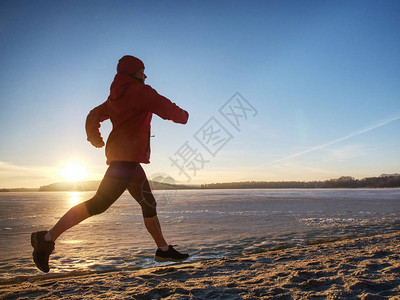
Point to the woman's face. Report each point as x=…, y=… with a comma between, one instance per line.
x=140, y=74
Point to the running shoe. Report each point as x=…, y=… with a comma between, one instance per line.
x=170, y=255
x=41, y=250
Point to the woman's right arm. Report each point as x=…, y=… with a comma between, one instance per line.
x=93, y=120
x=162, y=106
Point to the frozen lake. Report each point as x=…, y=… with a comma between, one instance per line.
x=206, y=223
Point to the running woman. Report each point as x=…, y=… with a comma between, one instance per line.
x=130, y=108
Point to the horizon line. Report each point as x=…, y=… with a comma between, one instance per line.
x=199, y=184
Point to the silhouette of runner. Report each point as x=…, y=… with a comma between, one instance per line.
x=130, y=108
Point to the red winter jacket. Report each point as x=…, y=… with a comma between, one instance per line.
x=130, y=107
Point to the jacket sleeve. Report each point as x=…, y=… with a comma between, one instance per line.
x=162, y=107
x=93, y=120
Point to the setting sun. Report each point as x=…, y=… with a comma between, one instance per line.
x=74, y=172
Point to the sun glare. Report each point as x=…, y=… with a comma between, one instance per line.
x=74, y=172
x=74, y=198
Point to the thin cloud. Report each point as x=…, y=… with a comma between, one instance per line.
x=356, y=133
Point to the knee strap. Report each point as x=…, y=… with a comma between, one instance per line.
x=148, y=209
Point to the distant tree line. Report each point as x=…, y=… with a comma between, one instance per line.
x=383, y=181
x=19, y=190
x=82, y=186
x=389, y=181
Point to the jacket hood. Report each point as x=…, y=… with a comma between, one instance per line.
x=120, y=85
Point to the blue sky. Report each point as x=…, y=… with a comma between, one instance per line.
x=322, y=75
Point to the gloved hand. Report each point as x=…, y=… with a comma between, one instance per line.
x=97, y=142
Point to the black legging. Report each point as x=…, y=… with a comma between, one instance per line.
x=122, y=175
